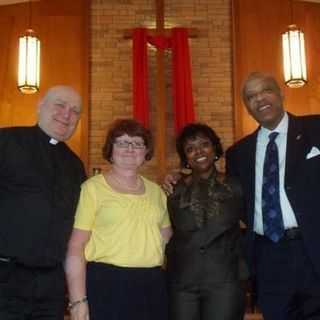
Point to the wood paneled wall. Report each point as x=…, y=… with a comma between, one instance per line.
x=257, y=29
x=62, y=27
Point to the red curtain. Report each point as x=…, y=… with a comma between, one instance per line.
x=140, y=77
x=182, y=84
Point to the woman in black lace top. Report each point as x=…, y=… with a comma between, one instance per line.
x=204, y=260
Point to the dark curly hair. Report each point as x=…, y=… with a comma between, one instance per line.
x=133, y=129
x=193, y=130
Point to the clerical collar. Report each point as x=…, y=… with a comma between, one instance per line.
x=53, y=141
x=47, y=138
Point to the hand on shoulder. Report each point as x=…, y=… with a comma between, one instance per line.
x=169, y=181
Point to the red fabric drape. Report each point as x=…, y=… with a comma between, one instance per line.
x=182, y=84
x=160, y=42
x=140, y=77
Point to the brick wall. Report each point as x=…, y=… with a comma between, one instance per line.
x=111, y=70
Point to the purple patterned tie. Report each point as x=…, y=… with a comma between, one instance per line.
x=271, y=210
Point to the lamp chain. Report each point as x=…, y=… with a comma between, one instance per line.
x=30, y=15
x=291, y=12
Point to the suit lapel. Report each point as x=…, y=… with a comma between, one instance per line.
x=252, y=174
x=251, y=159
x=248, y=174
x=296, y=144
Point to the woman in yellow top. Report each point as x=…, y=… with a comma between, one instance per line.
x=113, y=264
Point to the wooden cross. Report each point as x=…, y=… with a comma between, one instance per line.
x=160, y=29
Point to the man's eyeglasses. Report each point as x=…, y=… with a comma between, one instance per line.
x=133, y=144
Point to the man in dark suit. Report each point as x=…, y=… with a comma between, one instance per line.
x=284, y=256
x=40, y=181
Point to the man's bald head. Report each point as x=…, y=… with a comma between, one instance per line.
x=59, y=112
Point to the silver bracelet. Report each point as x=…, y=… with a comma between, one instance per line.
x=72, y=304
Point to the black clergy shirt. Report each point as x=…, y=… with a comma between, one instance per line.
x=39, y=190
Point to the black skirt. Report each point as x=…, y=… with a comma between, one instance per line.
x=120, y=293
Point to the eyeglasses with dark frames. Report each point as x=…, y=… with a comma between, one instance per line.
x=125, y=144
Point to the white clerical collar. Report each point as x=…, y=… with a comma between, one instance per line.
x=53, y=141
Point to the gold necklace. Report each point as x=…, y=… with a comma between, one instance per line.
x=124, y=185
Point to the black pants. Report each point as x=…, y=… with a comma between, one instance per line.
x=31, y=293
x=207, y=301
x=117, y=293
x=287, y=286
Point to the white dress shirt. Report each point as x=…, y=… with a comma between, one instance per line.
x=289, y=218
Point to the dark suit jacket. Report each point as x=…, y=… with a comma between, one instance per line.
x=302, y=179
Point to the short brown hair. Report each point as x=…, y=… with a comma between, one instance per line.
x=133, y=129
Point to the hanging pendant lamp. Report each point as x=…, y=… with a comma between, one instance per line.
x=294, y=57
x=29, y=60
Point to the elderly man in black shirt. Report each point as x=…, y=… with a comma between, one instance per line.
x=40, y=181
